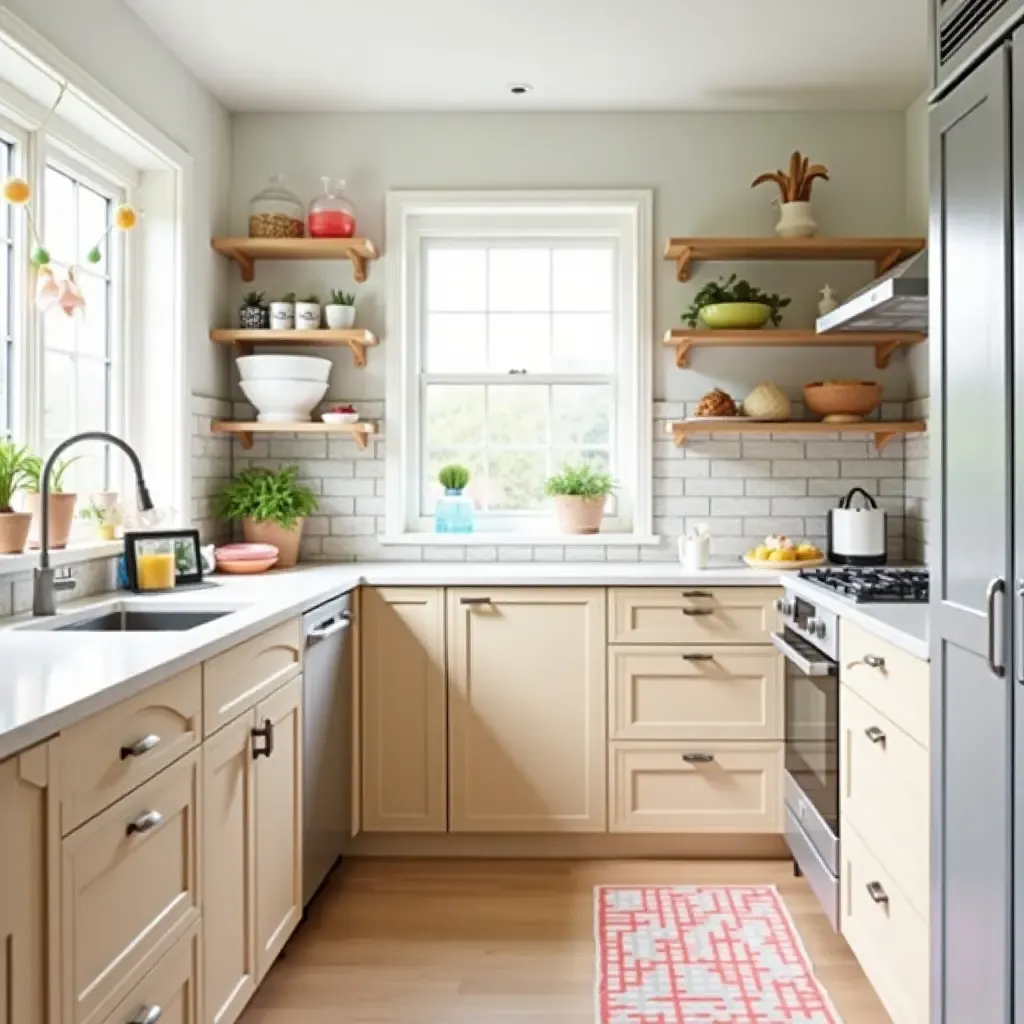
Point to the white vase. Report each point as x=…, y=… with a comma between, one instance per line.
x=340, y=318
x=796, y=221
x=307, y=316
x=282, y=316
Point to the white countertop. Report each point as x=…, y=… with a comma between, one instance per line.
x=50, y=680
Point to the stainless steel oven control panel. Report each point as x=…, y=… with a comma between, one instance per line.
x=818, y=626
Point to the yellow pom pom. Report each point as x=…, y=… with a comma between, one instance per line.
x=125, y=218
x=17, y=191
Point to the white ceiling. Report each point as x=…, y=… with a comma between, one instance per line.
x=316, y=55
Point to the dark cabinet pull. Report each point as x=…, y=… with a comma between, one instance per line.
x=697, y=593
x=144, y=823
x=876, y=892
x=875, y=734
x=698, y=758
x=698, y=611
x=140, y=747
x=265, y=733
x=474, y=600
x=698, y=657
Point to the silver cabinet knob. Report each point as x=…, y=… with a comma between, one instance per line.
x=876, y=892
x=816, y=627
x=140, y=747
x=147, y=1015
x=874, y=661
x=144, y=823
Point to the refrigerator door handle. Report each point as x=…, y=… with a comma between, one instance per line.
x=997, y=586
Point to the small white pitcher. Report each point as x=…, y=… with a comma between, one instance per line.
x=695, y=549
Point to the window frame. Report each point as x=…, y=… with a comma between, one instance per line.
x=622, y=215
x=20, y=306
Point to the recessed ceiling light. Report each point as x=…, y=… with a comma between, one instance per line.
x=520, y=89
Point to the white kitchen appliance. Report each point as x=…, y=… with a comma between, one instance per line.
x=856, y=534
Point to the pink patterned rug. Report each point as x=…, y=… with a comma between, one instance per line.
x=702, y=955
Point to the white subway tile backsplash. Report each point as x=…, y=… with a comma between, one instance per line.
x=680, y=468
x=714, y=487
x=788, y=487
x=662, y=487
x=742, y=469
x=772, y=449
x=872, y=468
x=806, y=468
x=740, y=506
x=681, y=507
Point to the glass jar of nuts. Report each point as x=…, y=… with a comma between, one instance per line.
x=276, y=213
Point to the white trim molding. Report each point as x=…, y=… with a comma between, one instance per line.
x=417, y=218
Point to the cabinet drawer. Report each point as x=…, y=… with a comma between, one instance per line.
x=888, y=678
x=689, y=693
x=888, y=938
x=172, y=988
x=696, y=787
x=885, y=793
x=115, y=751
x=129, y=890
x=236, y=680
x=667, y=615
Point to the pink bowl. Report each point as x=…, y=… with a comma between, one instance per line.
x=247, y=566
x=246, y=553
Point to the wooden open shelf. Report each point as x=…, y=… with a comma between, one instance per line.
x=883, y=431
x=885, y=253
x=885, y=343
x=359, y=432
x=356, y=339
x=246, y=251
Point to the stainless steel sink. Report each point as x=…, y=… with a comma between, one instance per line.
x=130, y=621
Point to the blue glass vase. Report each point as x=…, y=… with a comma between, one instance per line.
x=453, y=513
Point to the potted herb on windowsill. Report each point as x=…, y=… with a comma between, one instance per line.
x=105, y=516
x=272, y=508
x=731, y=304
x=580, y=494
x=62, y=505
x=340, y=312
x=14, y=526
x=453, y=512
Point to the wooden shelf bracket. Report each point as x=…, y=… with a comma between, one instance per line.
x=884, y=353
x=683, y=260
x=683, y=348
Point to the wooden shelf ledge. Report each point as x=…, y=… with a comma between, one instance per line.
x=360, y=432
x=885, y=343
x=246, y=251
x=881, y=430
x=885, y=253
x=245, y=341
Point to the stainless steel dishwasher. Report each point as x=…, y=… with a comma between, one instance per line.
x=327, y=739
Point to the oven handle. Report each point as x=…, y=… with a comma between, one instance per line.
x=808, y=667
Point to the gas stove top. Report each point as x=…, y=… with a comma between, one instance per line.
x=867, y=585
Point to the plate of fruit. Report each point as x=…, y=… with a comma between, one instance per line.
x=779, y=552
x=340, y=414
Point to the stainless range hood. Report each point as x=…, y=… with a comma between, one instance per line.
x=897, y=301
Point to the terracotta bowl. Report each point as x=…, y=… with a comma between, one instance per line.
x=847, y=401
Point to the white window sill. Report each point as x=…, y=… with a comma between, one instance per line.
x=507, y=540
x=85, y=551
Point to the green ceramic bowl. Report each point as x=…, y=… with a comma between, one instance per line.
x=736, y=316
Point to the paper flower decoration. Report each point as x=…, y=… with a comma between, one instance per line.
x=47, y=290
x=70, y=297
x=17, y=191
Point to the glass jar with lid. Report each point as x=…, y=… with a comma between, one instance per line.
x=331, y=214
x=275, y=212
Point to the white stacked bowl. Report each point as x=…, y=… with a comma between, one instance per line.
x=284, y=389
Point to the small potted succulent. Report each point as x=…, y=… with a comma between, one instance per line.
x=340, y=311
x=104, y=512
x=341, y=414
x=580, y=493
x=14, y=526
x=734, y=305
x=453, y=512
x=62, y=505
x=272, y=508
x=282, y=313
x=253, y=314
x=307, y=314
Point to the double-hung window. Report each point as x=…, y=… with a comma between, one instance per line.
x=8, y=292
x=524, y=346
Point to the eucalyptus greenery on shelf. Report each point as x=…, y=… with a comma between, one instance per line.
x=731, y=290
x=265, y=495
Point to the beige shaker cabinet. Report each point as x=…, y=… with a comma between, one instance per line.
x=527, y=718
x=404, y=710
x=29, y=876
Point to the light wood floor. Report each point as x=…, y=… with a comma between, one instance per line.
x=496, y=942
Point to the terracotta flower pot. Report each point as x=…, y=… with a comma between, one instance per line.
x=286, y=541
x=14, y=527
x=62, y=515
x=579, y=515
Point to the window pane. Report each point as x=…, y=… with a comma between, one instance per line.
x=519, y=280
x=517, y=414
x=456, y=342
x=59, y=394
x=59, y=217
x=581, y=414
x=91, y=410
x=516, y=480
x=454, y=415
x=456, y=280
x=519, y=341
x=93, y=218
x=92, y=324
x=58, y=331
x=582, y=279
x=582, y=342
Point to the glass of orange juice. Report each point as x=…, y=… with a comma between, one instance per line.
x=154, y=565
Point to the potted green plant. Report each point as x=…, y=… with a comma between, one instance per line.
x=14, y=526
x=580, y=493
x=253, y=313
x=340, y=312
x=307, y=314
x=735, y=305
x=105, y=515
x=453, y=512
x=272, y=508
x=282, y=313
x=62, y=505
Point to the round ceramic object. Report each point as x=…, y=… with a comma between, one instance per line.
x=755, y=563
x=340, y=417
x=843, y=401
x=245, y=552
x=284, y=401
x=283, y=368
x=249, y=567
x=736, y=316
